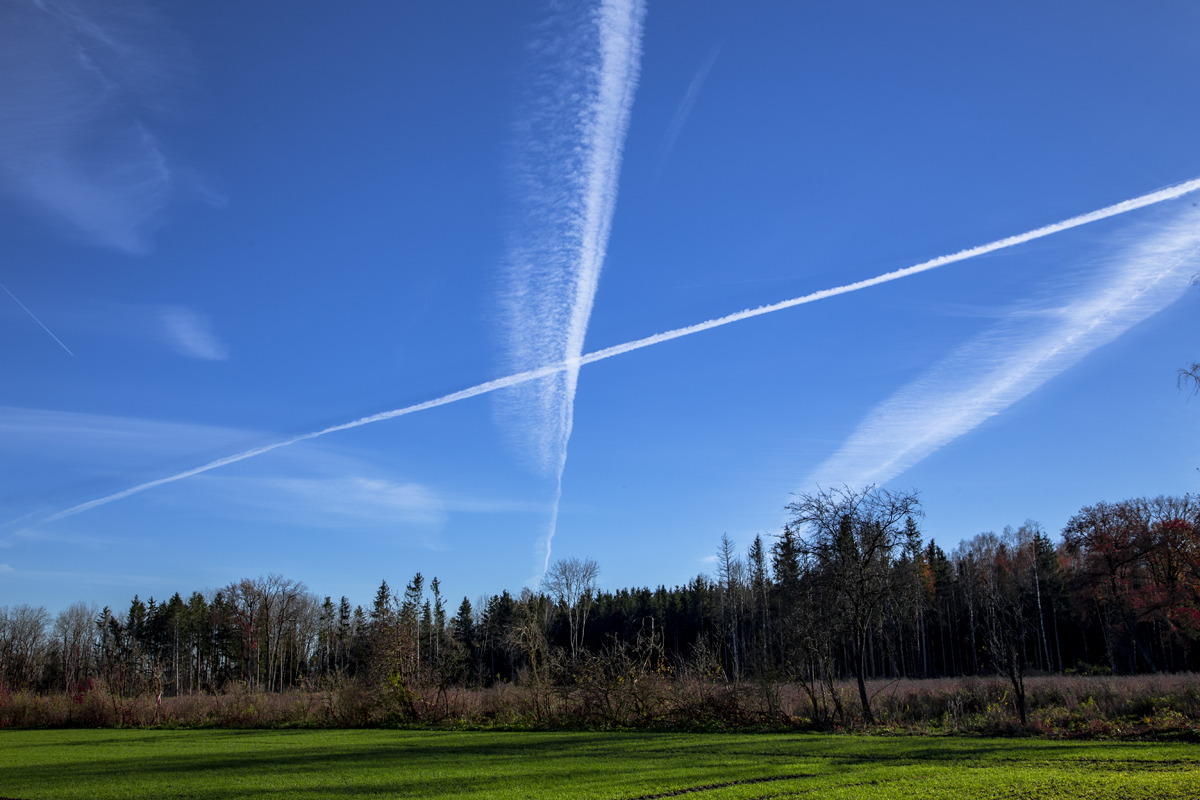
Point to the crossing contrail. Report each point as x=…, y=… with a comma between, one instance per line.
x=573, y=136
x=517, y=379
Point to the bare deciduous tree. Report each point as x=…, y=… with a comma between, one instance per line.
x=853, y=536
x=22, y=644
x=731, y=577
x=74, y=630
x=265, y=613
x=572, y=584
x=1190, y=376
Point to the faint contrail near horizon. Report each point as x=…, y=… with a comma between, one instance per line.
x=1162, y=195
x=35, y=319
x=572, y=139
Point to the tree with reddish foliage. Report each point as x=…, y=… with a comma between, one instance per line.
x=1139, y=561
x=1174, y=564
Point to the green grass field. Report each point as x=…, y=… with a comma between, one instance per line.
x=382, y=764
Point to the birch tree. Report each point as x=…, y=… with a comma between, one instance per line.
x=571, y=582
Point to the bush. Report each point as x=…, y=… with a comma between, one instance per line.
x=620, y=692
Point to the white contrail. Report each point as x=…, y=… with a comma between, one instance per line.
x=527, y=376
x=483, y=388
x=35, y=319
x=574, y=138
x=1170, y=193
x=1000, y=367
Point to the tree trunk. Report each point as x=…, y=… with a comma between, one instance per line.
x=860, y=674
x=1016, y=674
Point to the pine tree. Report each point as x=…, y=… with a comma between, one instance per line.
x=327, y=634
x=427, y=630
x=410, y=619
x=344, y=631
x=381, y=609
x=760, y=581
x=357, y=649
x=462, y=631
x=439, y=622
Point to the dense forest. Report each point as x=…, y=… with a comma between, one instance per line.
x=849, y=590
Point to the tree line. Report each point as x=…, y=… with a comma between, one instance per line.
x=848, y=590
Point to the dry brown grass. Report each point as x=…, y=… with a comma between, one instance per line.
x=1076, y=706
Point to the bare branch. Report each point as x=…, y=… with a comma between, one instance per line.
x=1191, y=376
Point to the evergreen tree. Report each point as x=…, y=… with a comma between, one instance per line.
x=760, y=604
x=439, y=622
x=381, y=609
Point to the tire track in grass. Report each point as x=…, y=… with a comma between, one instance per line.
x=825, y=789
x=713, y=786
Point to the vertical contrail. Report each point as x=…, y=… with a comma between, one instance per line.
x=573, y=138
x=35, y=319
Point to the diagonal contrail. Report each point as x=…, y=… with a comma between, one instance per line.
x=35, y=319
x=519, y=378
x=685, y=109
x=1005, y=364
x=1162, y=195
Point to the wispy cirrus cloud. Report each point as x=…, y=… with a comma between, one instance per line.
x=347, y=490
x=116, y=442
x=313, y=486
x=570, y=138
x=47, y=455
x=349, y=496
x=77, y=83
x=190, y=333
x=1033, y=345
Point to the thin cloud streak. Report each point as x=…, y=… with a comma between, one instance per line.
x=353, y=497
x=35, y=319
x=685, y=109
x=68, y=437
x=190, y=334
x=358, y=498
x=571, y=142
x=990, y=373
x=527, y=376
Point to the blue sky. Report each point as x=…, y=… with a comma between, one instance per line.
x=248, y=225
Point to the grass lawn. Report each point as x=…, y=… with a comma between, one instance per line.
x=383, y=764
